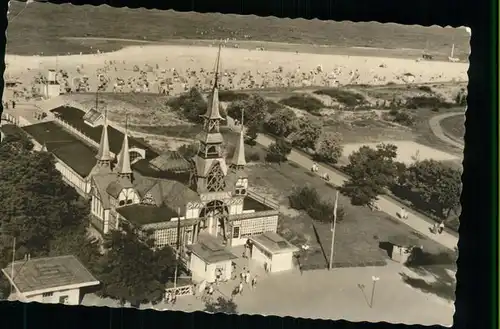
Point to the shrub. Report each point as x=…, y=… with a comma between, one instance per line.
x=404, y=118
x=393, y=112
x=307, y=198
x=426, y=89
x=278, y=152
x=273, y=106
x=304, y=102
x=302, y=198
x=231, y=96
x=426, y=102
x=419, y=257
x=252, y=156
x=345, y=97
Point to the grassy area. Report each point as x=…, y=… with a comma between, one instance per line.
x=342, y=96
x=455, y=126
x=36, y=30
x=304, y=102
x=358, y=236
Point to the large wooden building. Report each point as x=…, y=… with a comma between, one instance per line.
x=177, y=199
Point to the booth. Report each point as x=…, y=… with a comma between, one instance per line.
x=272, y=251
x=210, y=260
x=401, y=248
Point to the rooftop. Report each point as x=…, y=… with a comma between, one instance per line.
x=75, y=117
x=50, y=272
x=144, y=168
x=273, y=243
x=210, y=250
x=140, y=214
x=68, y=148
x=250, y=203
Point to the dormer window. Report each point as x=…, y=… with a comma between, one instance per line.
x=129, y=201
x=121, y=203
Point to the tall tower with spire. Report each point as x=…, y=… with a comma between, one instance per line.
x=103, y=156
x=123, y=167
x=210, y=163
x=239, y=162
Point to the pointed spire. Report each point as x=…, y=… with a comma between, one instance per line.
x=104, y=154
x=123, y=166
x=213, y=103
x=239, y=161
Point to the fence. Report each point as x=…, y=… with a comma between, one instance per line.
x=78, y=133
x=186, y=290
x=266, y=201
x=9, y=118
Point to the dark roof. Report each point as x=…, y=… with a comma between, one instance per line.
x=144, y=168
x=273, y=243
x=50, y=272
x=210, y=250
x=139, y=214
x=251, y=204
x=69, y=149
x=74, y=117
x=10, y=129
x=171, y=161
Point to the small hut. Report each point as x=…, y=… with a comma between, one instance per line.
x=401, y=247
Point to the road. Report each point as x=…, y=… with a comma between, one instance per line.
x=386, y=204
x=435, y=124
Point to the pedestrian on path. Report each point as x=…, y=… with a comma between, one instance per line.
x=254, y=282
x=247, y=277
x=441, y=227
x=240, y=288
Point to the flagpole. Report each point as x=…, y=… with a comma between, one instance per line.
x=178, y=246
x=334, y=222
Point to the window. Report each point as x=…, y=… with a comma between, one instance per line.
x=236, y=232
x=47, y=294
x=129, y=201
x=121, y=203
x=63, y=299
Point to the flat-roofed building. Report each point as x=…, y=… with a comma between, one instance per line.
x=49, y=280
x=274, y=251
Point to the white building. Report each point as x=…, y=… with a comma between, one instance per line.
x=49, y=280
x=209, y=259
x=273, y=251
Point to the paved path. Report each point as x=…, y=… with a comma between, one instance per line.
x=437, y=129
x=344, y=293
x=387, y=205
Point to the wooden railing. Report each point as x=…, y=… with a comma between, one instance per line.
x=266, y=201
x=186, y=290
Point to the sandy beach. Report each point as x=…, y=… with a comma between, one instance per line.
x=177, y=68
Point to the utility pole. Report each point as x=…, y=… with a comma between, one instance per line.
x=334, y=222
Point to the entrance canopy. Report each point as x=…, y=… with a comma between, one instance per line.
x=210, y=250
x=273, y=243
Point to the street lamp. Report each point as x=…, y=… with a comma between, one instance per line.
x=374, y=280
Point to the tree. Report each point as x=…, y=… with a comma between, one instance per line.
x=192, y=105
x=221, y=305
x=254, y=110
x=437, y=184
x=251, y=135
x=282, y=123
x=371, y=172
x=35, y=202
x=131, y=270
x=307, y=134
x=330, y=148
x=278, y=151
x=188, y=150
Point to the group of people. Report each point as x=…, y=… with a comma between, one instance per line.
x=171, y=298
x=245, y=279
x=438, y=228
